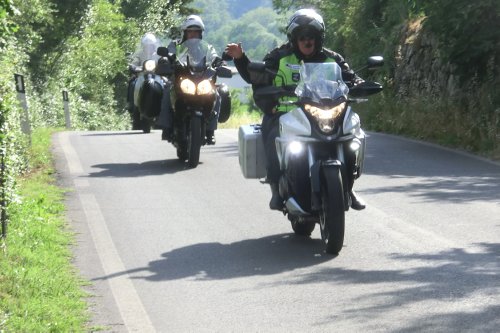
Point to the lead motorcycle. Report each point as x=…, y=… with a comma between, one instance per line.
x=193, y=95
x=315, y=141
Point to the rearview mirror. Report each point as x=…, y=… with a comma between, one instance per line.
x=224, y=71
x=365, y=88
x=162, y=51
x=375, y=61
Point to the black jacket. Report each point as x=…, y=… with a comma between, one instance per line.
x=272, y=60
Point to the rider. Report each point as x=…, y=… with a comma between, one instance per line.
x=305, y=33
x=192, y=27
x=146, y=51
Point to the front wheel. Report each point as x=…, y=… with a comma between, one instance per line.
x=136, y=119
x=302, y=227
x=194, y=142
x=332, y=218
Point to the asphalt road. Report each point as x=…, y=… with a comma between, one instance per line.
x=172, y=249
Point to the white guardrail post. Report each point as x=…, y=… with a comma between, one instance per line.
x=21, y=96
x=67, y=115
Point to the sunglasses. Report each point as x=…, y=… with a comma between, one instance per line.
x=305, y=37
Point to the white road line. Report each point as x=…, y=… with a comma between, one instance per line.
x=74, y=165
x=131, y=309
x=129, y=304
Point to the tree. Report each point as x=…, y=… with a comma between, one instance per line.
x=7, y=25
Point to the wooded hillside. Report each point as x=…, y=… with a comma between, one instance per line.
x=442, y=65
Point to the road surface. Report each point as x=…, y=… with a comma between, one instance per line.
x=172, y=249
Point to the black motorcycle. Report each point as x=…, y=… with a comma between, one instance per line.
x=147, y=95
x=320, y=148
x=193, y=95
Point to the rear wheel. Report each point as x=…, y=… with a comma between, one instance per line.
x=146, y=125
x=194, y=142
x=332, y=217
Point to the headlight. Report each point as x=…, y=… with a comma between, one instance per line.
x=355, y=145
x=149, y=65
x=326, y=118
x=204, y=88
x=188, y=87
x=295, y=147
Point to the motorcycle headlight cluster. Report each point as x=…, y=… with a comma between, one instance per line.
x=326, y=118
x=190, y=88
x=149, y=65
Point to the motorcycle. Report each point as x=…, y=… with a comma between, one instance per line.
x=148, y=92
x=316, y=140
x=193, y=95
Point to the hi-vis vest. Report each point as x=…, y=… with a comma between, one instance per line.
x=289, y=72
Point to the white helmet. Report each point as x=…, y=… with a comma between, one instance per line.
x=193, y=22
x=149, y=44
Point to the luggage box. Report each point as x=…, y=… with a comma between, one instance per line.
x=251, y=151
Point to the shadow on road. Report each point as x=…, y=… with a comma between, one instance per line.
x=263, y=256
x=229, y=150
x=429, y=172
x=117, y=133
x=449, y=276
x=149, y=168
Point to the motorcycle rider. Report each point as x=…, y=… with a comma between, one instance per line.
x=145, y=51
x=305, y=33
x=192, y=27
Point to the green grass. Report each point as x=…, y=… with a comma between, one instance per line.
x=39, y=289
x=242, y=118
x=441, y=122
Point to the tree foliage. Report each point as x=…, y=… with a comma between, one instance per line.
x=7, y=25
x=8, y=157
x=469, y=34
x=259, y=29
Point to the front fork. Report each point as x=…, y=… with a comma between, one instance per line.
x=315, y=168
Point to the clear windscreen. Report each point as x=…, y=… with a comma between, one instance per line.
x=196, y=53
x=320, y=82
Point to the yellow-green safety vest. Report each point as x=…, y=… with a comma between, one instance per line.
x=288, y=74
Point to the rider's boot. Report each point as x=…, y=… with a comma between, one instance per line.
x=166, y=134
x=356, y=202
x=276, y=202
x=210, y=138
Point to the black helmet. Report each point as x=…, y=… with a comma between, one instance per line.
x=306, y=22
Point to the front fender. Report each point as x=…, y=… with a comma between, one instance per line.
x=315, y=171
x=316, y=182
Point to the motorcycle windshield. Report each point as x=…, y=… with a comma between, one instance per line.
x=321, y=82
x=195, y=53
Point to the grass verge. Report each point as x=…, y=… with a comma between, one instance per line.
x=39, y=288
x=242, y=118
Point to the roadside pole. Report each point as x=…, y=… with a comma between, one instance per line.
x=67, y=115
x=21, y=96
